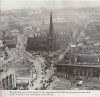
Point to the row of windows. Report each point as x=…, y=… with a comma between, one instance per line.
x=77, y=72
x=10, y=42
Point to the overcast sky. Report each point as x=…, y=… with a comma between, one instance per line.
x=18, y=4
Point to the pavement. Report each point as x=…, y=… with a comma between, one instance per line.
x=41, y=76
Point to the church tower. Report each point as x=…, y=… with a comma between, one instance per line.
x=51, y=36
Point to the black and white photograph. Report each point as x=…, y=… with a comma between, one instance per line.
x=49, y=45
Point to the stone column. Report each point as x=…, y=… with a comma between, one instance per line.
x=66, y=74
x=87, y=74
x=74, y=71
x=99, y=75
x=78, y=73
x=91, y=74
x=82, y=73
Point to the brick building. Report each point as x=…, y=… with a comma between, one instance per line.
x=43, y=42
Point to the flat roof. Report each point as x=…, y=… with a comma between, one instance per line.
x=83, y=65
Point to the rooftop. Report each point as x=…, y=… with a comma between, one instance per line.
x=96, y=65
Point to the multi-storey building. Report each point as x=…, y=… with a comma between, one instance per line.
x=16, y=75
x=10, y=40
x=81, y=61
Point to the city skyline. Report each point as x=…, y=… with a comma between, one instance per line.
x=52, y=4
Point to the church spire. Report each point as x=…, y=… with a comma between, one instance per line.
x=51, y=35
x=51, y=30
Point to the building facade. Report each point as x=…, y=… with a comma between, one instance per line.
x=43, y=42
x=80, y=61
x=10, y=41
